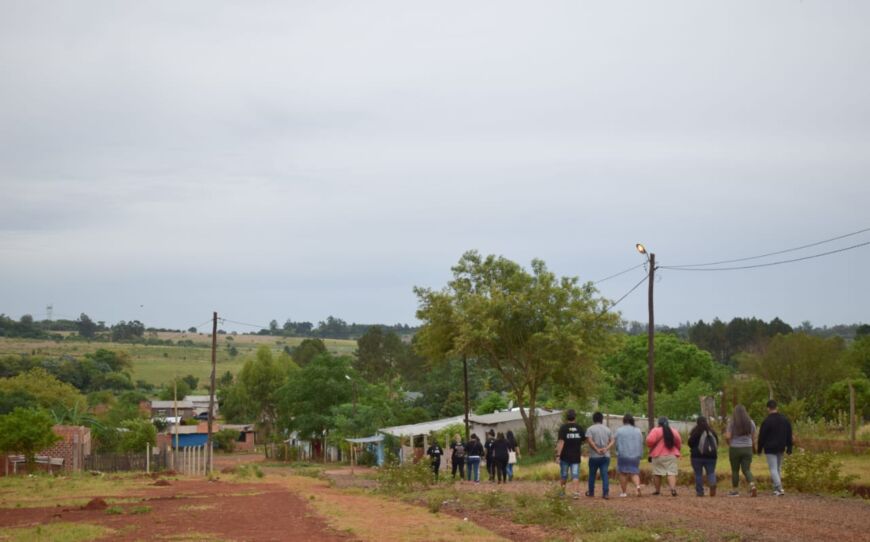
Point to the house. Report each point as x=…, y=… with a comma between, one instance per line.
x=164, y=409
x=247, y=435
x=512, y=420
x=200, y=404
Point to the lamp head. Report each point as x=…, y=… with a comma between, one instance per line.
x=640, y=248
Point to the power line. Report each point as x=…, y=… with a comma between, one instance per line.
x=771, y=253
x=632, y=268
x=633, y=288
x=242, y=323
x=686, y=268
x=197, y=326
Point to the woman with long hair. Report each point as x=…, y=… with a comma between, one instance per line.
x=515, y=448
x=740, y=435
x=664, y=448
x=703, y=443
x=473, y=452
x=500, y=457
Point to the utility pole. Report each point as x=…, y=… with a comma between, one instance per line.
x=465, y=379
x=208, y=442
x=175, y=404
x=651, y=349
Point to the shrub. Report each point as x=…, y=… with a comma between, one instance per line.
x=816, y=473
x=405, y=478
x=248, y=470
x=225, y=439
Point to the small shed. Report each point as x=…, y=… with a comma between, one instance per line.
x=423, y=429
x=374, y=444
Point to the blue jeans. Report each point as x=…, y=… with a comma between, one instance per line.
x=699, y=465
x=774, y=463
x=473, y=465
x=597, y=464
x=510, y=471
x=566, y=468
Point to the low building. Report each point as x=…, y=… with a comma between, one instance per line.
x=200, y=404
x=165, y=409
x=67, y=454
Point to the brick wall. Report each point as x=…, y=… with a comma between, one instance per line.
x=74, y=445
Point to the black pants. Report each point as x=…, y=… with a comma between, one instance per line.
x=490, y=468
x=459, y=464
x=436, y=466
x=500, y=466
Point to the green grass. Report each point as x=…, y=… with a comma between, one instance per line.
x=160, y=364
x=55, y=532
x=74, y=490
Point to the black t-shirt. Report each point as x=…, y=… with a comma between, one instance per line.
x=572, y=435
x=435, y=452
x=488, y=446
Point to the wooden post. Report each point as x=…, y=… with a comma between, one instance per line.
x=208, y=447
x=147, y=458
x=465, y=380
x=651, y=349
x=852, y=420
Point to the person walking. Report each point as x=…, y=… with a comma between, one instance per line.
x=703, y=443
x=513, y=448
x=457, y=457
x=629, y=449
x=600, y=440
x=435, y=452
x=740, y=435
x=474, y=451
x=664, y=449
x=490, y=462
x=500, y=457
x=571, y=437
x=774, y=438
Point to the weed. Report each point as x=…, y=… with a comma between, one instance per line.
x=249, y=470
x=434, y=503
x=396, y=478
x=114, y=511
x=819, y=472
x=140, y=509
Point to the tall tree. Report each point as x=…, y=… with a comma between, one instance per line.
x=800, y=367
x=532, y=328
x=87, y=328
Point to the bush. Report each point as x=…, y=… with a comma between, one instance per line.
x=249, y=470
x=816, y=473
x=395, y=478
x=225, y=439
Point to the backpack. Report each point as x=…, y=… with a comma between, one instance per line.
x=707, y=444
x=459, y=451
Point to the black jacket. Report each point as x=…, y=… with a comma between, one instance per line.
x=774, y=437
x=695, y=441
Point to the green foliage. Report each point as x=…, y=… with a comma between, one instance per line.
x=534, y=329
x=128, y=331
x=26, y=431
x=724, y=341
x=800, y=367
x=180, y=389
x=46, y=390
x=307, y=351
x=817, y=472
x=136, y=435
x=684, y=402
x=676, y=362
x=858, y=355
x=307, y=401
x=225, y=439
x=837, y=398
x=492, y=402
x=409, y=477
x=191, y=381
x=249, y=470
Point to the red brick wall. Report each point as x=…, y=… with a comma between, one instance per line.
x=74, y=445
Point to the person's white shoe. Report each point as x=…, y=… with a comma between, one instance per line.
x=623, y=494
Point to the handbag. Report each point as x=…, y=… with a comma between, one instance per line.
x=512, y=458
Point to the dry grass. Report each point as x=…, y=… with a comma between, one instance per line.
x=43, y=490
x=55, y=532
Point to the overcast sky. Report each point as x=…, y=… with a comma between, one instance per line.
x=159, y=161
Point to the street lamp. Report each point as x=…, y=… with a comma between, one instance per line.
x=651, y=349
x=352, y=381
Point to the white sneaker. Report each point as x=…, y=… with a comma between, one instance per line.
x=623, y=494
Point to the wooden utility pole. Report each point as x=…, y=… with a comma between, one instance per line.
x=465, y=379
x=177, y=420
x=208, y=447
x=651, y=350
x=852, y=418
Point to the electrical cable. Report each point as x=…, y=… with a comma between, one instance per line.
x=243, y=323
x=620, y=273
x=772, y=253
x=769, y=264
x=615, y=303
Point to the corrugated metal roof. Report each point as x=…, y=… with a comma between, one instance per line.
x=509, y=416
x=171, y=404
x=422, y=428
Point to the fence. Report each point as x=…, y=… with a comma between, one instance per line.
x=126, y=462
x=190, y=460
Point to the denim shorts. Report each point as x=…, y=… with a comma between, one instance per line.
x=564, y=468
x=628, y=465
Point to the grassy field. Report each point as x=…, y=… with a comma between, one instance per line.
x=159, y=364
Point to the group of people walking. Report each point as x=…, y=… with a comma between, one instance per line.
x=774, y=439
x=499, y=453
